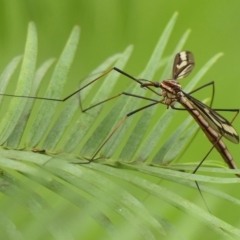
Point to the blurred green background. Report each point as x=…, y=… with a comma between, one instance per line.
x=108, y=26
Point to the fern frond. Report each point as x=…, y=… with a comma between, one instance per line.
x=59, y=199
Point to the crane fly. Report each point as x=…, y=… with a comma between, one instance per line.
x=212, y=124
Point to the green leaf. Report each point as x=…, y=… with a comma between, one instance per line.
x=86, y=121
x=15, y=138
x=136, y=137
x=16, y=107
x=70, y=111
x=7, y=73
x=55, y=88
x=57, y=195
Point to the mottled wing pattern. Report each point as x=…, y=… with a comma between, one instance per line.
x=215, y=120
x=183, y=65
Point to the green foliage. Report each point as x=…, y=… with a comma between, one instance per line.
x=52, y=196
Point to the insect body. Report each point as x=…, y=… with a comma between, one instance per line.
x=213, y=124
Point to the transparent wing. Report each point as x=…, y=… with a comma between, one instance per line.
x=215, y=120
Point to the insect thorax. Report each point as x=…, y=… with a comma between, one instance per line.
x=171, y=92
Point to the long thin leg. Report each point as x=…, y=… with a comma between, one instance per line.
x=136, y=80
x=115, y=96
x=118, y=95
x=215, y=109
x=67, y=97
x=226, y=110
x=213, y=146
x=117, y=127
x=232, y=110
x=137, y=96
x=211, y=103
x=203, y=86
x=199, y=88
x=80, y=89
x=88, y=84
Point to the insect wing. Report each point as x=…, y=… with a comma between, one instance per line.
x=183, y=65
x=215, y=120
